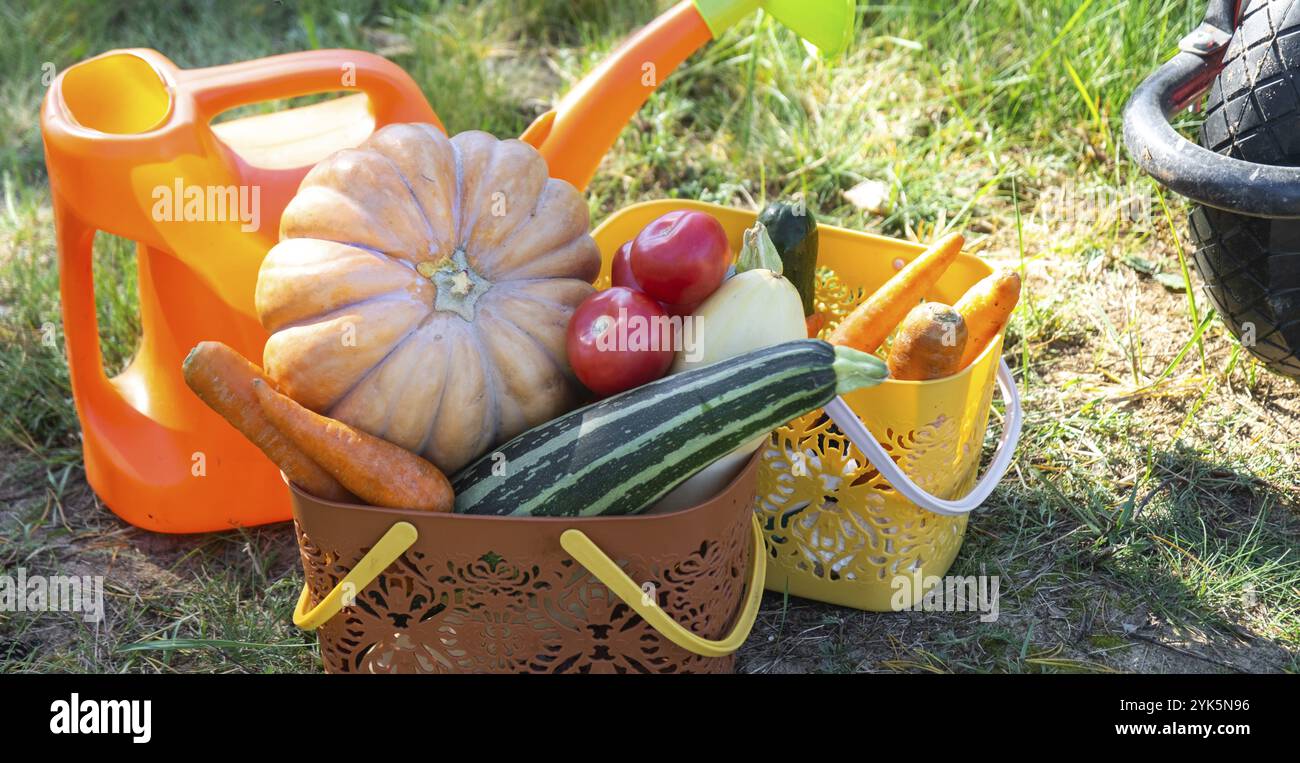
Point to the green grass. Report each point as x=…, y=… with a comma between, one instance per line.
x=1149, y=521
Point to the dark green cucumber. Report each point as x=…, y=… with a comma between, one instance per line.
x=794, y=232
x=620, y=455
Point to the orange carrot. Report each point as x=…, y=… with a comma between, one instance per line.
x=987, y=307
x=929, y=343
x=379, y=472
x=815, y=322
x=867, y=326
x=223, y=379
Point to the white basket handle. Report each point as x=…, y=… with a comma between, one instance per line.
x=849, y=423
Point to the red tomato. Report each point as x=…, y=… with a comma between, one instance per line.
x=680, y=310
x=620, y=270
x=619, y=339
x=620, y=274
x=680, y=257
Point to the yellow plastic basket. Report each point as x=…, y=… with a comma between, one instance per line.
x=877, y=487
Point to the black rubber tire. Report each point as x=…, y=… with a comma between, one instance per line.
x=1251, y=265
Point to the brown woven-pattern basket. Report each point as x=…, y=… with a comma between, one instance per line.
x=500, y=594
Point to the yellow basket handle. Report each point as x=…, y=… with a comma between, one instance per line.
x=393, y=544
x=599, y=564
x=402, y=536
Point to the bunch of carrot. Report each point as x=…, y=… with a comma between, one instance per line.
x=323, y=456
x=933, y=340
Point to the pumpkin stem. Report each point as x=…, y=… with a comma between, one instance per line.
x=460, y=283
x=458, y=286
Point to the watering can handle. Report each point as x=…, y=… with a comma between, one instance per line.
x=402, y=535
x=575, y=135
x=394, y=96
x=77, y=298
x=1188, y=168
x=849, y=423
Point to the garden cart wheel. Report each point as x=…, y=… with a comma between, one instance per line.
x=1245, y=174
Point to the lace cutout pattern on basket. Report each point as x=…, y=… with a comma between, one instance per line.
x=835, y=299
x=827, y=512
x=825, y=509
x=459, y=614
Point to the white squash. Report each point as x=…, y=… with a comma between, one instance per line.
x=755, y=308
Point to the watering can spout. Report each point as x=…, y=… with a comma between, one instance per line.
x=574, y=136
x=828, y=24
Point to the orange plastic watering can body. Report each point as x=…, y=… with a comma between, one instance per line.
x=131, y=151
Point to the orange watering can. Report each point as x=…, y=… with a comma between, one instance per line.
x=131, y=150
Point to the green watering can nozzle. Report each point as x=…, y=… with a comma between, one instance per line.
x=828, y=24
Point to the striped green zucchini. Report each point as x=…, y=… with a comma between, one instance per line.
x=620, y=455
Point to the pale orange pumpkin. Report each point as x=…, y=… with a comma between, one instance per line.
x=421, y=290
